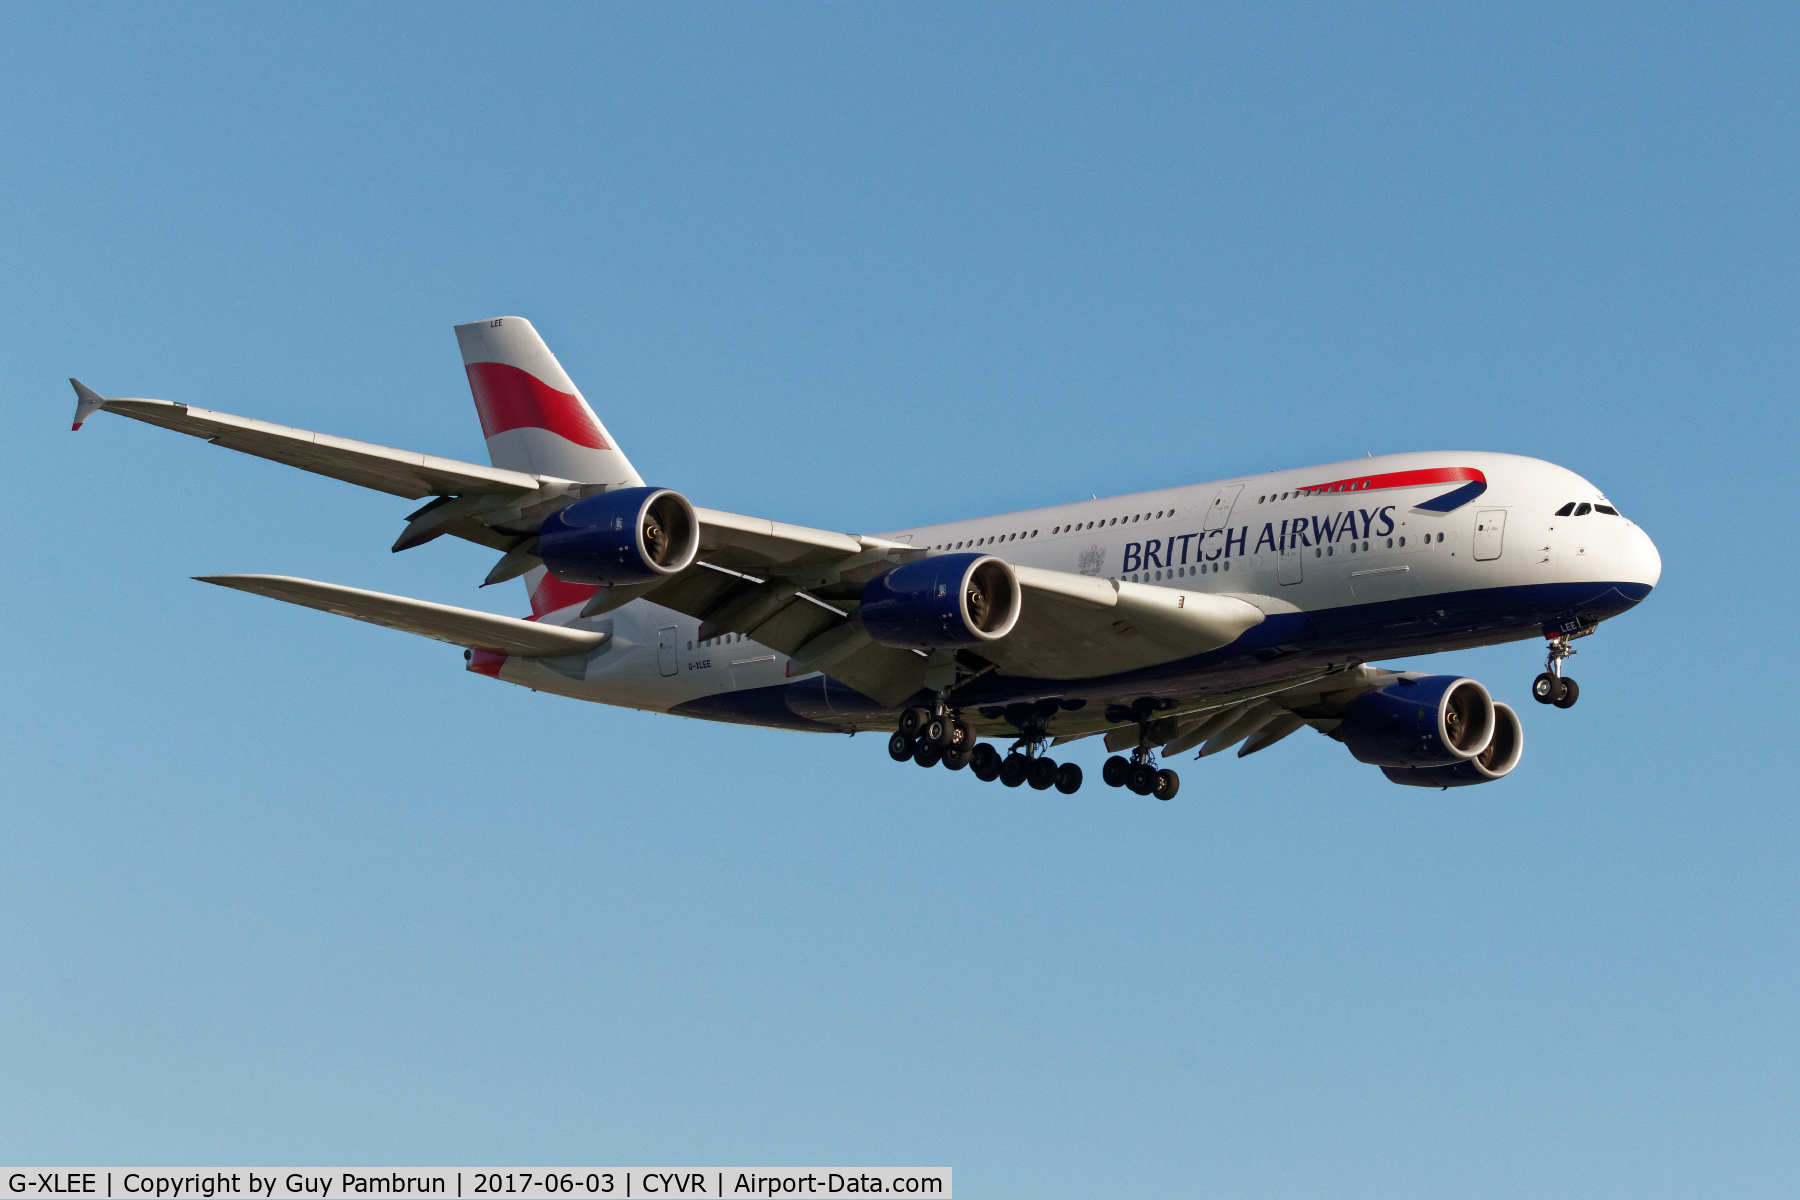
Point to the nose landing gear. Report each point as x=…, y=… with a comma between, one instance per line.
x=1553, y=687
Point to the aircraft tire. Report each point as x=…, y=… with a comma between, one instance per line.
x=1167, y=784
x=912, y=720
x=1068, y=779
x=1141, y=779
x=900, y=747
x=926, y=754
x=1014, y=770
x=1043, y=774
x=1571, y=692
x=985, y=760
x=1116, y=771
x=1546, y=688
x=956, y=759
x=937, y=731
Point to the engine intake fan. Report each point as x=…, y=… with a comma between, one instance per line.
x=632, y=535
x=941, y=602
x=1428, y=721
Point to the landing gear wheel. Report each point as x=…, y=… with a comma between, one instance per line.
x=1141, y=778
x=957, y=758
x=926, y=754
x=1167, y=784
x=1068, y=779
x=1547, y=688
x=900, y=747
x=1571, y=691
x=961, y=736
x=985, y=761
x=1043, y=774
x=1116, y=770
x=936, y=730
x=1014, y=770
x=912, y=720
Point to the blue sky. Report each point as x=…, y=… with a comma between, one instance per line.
x=283, y=888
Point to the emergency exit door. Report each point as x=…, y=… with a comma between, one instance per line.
x=668, y=650
x=1490, y=530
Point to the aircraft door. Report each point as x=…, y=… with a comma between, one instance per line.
x=1291, y=567
x=1220, y=512
x=668, y=650
x=1490, y=528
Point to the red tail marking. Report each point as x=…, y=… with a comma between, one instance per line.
x=552, y=593
x=508, y=398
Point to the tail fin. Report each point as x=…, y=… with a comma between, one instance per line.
x=531, y=412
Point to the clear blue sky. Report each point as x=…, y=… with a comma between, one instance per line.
x=282, y=888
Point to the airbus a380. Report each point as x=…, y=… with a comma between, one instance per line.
x=1219, y=615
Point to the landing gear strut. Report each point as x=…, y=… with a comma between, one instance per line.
x=938, y=734
x=1553, y=687
x=1139, y=773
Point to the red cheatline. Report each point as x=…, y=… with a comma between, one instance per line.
x=1396, y=479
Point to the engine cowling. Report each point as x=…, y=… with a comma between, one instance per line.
x=632, y=535
x=1429, y=721
x=941, y=602
x=1496, y=762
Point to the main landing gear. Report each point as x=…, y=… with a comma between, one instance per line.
x=1553, y=687
x=1139, y=774
x=929, y=737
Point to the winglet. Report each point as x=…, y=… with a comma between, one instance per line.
x=87, y=403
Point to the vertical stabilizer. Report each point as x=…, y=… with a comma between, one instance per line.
x=532, y=414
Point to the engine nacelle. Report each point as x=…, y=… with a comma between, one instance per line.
x=1496, y=762
x=1434, y=721
x=940, y=602
x=632, y=535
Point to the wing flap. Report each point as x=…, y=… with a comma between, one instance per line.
x=458, y=626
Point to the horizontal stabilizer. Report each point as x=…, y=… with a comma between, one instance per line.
x=458, y=626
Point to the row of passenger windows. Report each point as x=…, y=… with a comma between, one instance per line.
x=1318, y=491
x=724, y=640
x=1181, y=572
x=1058, y=529
x=1318, y=552
x=1572, y=509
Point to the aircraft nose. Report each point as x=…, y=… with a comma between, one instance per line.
x=1639, y=562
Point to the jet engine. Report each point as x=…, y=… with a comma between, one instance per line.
x=632, y=535
x=1496, y=762
x=1419, y=721
x=941, y=602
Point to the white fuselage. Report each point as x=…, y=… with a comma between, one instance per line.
x=1274, y=540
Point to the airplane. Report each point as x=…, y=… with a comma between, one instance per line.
x=1218, y=615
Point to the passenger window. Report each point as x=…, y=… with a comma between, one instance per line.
x=1582, y=510
x=1566, y=509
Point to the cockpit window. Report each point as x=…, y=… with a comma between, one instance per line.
x=1582, y=510
x=1566, y=509
x=1608, y=509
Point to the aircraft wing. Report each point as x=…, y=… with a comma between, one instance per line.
x=794, y=588
x=1254, y=722
x=397, y=472
x=458, y=626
